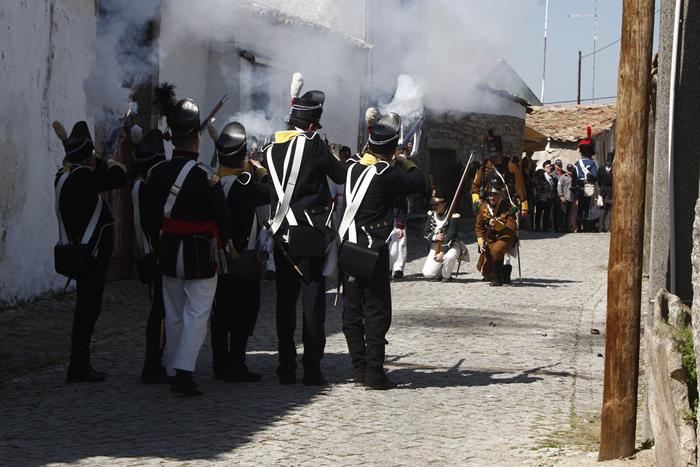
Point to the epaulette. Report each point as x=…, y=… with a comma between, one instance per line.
x=247, y=180
x=384, y=169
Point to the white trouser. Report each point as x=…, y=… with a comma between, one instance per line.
x=397, y=251
x=187, y=307
x=431, y=268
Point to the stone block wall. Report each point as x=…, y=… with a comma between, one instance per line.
x=463, y=133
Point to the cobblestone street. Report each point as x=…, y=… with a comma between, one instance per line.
x=488, y=376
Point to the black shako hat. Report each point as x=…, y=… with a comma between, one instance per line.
x=79, y=145
x=587, y=146
x=182, y=116
x=308, y=107
x=496, y=185
x=438, y=195
x=231, y=145
x=493, y=143
x=149, y=149
x=384, y=136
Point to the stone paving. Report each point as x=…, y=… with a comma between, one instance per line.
x=488, y=376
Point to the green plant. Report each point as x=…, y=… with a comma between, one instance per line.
x=684, y=339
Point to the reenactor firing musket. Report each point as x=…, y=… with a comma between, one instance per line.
x=453, y=205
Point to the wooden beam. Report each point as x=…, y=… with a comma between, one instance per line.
x=619, y=412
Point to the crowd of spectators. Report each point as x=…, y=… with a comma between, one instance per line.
x=575, y=198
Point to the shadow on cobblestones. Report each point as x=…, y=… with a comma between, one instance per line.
x=124, y=419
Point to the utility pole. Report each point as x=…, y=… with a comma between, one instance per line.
x=595, y=40
x=578, y=87
x=619, y=411
x=544, y=56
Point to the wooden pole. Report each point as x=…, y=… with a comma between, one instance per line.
x=578, y=88
x=619, y=412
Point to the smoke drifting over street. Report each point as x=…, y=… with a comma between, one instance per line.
x=439, y=52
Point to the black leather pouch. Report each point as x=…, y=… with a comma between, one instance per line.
x=71, y=260
x=356, y=260
x=147, y=267
x=305, y=240
x=246, y=266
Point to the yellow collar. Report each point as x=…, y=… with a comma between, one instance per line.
x=368, y=159
x=284, y=136
x=226, y=171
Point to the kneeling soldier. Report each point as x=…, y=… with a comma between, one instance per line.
x=495, y=232
x=440, y=265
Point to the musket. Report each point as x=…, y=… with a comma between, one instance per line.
x=489, y=230
x=214, y=111
x=453, y=204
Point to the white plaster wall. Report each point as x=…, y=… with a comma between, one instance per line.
x=46, y=50
x=346, y=16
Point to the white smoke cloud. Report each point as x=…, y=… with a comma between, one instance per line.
x=426, y=53
x=121, y=56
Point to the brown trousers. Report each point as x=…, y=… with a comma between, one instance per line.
x=496, y=251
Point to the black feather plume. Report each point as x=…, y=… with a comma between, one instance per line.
x=164, y=99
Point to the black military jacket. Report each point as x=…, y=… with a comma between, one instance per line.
x=374, y=220
x=311, y=195
x=245, y=195
x=450, y=230
x=198, y=201
x=79, y=197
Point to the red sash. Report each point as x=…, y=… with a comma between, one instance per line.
x=180, y=227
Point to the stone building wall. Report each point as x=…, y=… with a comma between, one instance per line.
x=463, y=133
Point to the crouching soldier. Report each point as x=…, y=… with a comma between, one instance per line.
x=495, y=233
x=438, y=230
x=85, y=224
x=237, y=299
x=371, y=187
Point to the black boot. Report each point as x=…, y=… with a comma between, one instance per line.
x=83, y=375
x=377, y=379
x=506, y=270
x=313, y=375
x=183, y=384
x=286, y=374
x=238, y=370
x=154, y=373
x=358, y=376
x=497, y=274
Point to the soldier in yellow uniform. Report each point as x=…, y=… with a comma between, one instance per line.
x=497, y=166
x=495, y=233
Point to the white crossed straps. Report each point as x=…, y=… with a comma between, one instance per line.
x=354, y=198
x=92, y=224
x=227, y=183
x=285, y=187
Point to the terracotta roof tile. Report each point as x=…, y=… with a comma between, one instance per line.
x=569, y=123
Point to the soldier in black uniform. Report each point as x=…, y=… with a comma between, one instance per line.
x=300, y=226
x=367, y=300
x=191, y=211
x=237, y=299
x=149, y=151
x=78, y=186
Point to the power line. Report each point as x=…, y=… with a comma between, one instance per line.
x=610, y=44
x=575, y=100
x=601, y=49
